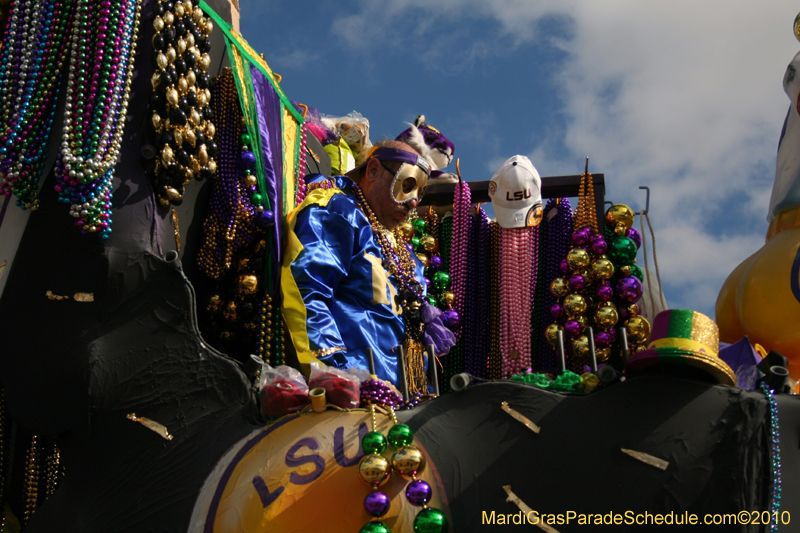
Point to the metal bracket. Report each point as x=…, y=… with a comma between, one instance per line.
x=646, y=209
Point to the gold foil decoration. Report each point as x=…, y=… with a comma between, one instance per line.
x=83, y=297
x=519, y=417
x=513, y=498
x=647, y=458
x=177, y=230
x=151, y=424
x=56, y=297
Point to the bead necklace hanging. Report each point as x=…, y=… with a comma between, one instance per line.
x=301, y=167
x=33, y=53
x=495, y=359
x=517, y=247
x=102, y=49
x=555, y=242
x=407, y=461
x=476, y=360
x=32, y=479
x=775, y=458
x=182, y=117
x=462, y=204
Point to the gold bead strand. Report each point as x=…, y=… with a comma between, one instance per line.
x=32, y=479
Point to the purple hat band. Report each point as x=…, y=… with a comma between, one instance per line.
x=384, y=153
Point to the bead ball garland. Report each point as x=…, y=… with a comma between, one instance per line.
x=476, y=359
x=182, y=117
x=102, y=48
x=33, y=53
x=460, y=242
x=775, y=458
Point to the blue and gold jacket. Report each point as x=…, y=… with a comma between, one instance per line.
x=338, y=299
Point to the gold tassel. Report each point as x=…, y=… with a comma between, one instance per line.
x=415, y=367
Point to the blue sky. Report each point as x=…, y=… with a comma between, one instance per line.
x=685, y=97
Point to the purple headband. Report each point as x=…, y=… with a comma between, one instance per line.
x=383, y=153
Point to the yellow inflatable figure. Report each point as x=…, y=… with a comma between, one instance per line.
x=761, y=297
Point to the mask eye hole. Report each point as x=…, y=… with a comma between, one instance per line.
x=409, y=184
x=422, y=192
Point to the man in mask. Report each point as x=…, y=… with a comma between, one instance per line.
x=349, y=283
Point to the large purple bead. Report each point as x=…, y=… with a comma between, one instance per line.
x=605, y=292
x=564, y=266
x=248, y=158
x=602, y=339
x=377, y=503
x=451, y=318
x=435, y=261
x=557, y=310
x=581, y=237
x=573, y=328
x=629, y=289
x=265, y=218
x=634, y=235
x=419, y=492
x=599, y=245
x=577, y=282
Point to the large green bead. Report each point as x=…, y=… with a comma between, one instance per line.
x=400, y=435
x=246, y=139
x=375, y=527
x=430, y=520
x=637, y=272
x=622, y=251
x=419, y=226
x=415, y=242
x=433, y=301
x=441, y=280
x=373, y=442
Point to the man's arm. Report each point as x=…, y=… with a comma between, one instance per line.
x=322, y=243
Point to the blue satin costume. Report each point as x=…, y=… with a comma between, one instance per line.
x=338, y=300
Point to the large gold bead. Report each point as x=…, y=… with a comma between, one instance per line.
x=606, y=317
x=209, y=129
x=374, y=470
x=202, y=155
x=181, y=44
x=449, y=298
x=209, y=27
x=161, y=61
x=173, y=194
x=158, y=23
x=190, y=136
x=559, y=287
x=575, y=304
x=620, y=217
x=428, y=242
x=191, y=78
x=177, y=134
x=195, y=117
x=171, y=54
x=204, y=62
x=551, y=333
x=406, y=229
x=580, y=346
x=602, y=354
x=250, y=180
x=167, y=155
x=169, y=18
x=633, y=310
x=201, y=98
x=408, y=461
x=178, y=9
x=638, y=329
x=197, y=15
x=155, y=80
x=246, y=284
x=183, y=85
x=156, y=121
x=212, y=165
x=172, y=97
x=578, y=259
x=194, y=165
x=603, y=269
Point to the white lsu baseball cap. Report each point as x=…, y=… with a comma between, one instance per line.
x=515, y=190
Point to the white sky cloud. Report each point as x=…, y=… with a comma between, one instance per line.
x=683, y=96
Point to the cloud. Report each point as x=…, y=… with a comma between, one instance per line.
x=682, y=96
